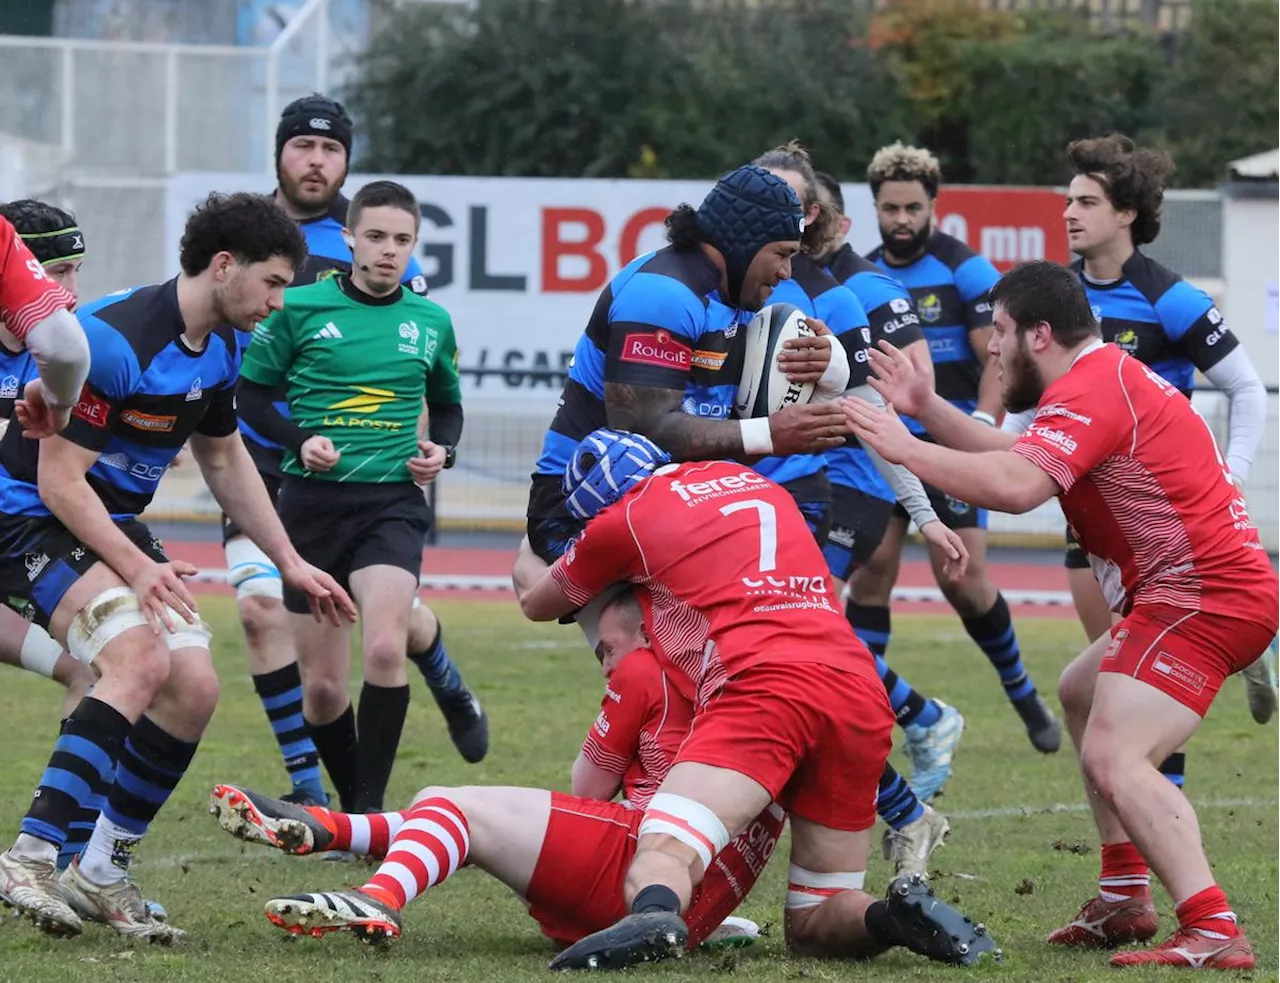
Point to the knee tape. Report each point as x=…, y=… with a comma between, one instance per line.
x=807, y=889
x=39, y=652
x=187, y=636
x=687, y=821
x=250, y=572
x=108, y=615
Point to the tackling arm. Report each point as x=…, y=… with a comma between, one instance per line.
x=656, y=413
x=1247, y=413
x=999, y=480
x=59, y=348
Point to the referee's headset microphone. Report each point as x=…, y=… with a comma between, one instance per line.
x=351, y=244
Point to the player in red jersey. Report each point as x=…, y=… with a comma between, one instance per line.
x=36, y=314
x=565, y=855
x=1149, y=497
x=789, y=706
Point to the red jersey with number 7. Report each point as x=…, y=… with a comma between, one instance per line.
x=724, y=554
x=27, y=295
x=1147, y=492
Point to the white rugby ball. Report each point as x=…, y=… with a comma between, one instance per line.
x=764, y=388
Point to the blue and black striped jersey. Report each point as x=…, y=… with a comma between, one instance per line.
x=147, y=393
x=659, y=323
x=1160, y=319
x=818, y=294
x=893, y=318
x=951, y=287
x=16, y=370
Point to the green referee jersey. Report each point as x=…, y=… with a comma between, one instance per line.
x=356, y=370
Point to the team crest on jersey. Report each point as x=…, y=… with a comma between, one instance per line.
x=1127, y=340
x=930, y=307
x=326, y=274
x=957, y=507
x=409, y=334
x=9, y=387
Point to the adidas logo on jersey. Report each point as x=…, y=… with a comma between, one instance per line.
x=330, y=330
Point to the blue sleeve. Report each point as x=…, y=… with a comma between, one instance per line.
x=414, y=278
x=974, y=279
x=889, y=308
x=1195, y=326
x=653, y=323
x=114, y=374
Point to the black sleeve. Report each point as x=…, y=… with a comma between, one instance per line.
x=219, y=418
x=444, y=423
x=257, y=410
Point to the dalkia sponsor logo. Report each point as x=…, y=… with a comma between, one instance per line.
x=656, y=348
x=1052, y=436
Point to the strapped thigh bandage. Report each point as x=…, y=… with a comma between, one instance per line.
x=807, y=889
x=690, y=822
x=250, y=572
x=111, y=613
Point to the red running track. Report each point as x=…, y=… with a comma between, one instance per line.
x=497, y=563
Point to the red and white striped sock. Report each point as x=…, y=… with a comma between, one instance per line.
x=1124, y=873
x=366, y=835
x=430, y=846
x=1209, y=913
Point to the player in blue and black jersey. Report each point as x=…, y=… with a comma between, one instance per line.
x=949, y=284
x=76, y=560
x=661, y=354
x=57, y=242
x=313, y=151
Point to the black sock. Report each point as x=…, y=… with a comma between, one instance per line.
x=1174, y=768
x=655, y=897
x=378, y=724
x=336, y=744
x=881, y=924
x=871, y=623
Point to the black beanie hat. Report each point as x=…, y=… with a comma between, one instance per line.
x=314, y=115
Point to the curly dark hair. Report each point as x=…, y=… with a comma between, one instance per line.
x=794, y=157
x=682, y=228
x=250, y=227
x=1132, y=177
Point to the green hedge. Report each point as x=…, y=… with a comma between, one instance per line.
x=673, y=88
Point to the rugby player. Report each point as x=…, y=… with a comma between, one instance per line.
x=75, y=559
x=862, y=502
x=659, y=356
x=1130, y=461
x=359, y=357
x=313, y=150
x=788, y=704
x=57, y=243
x=1113, y=208
x=949, y=284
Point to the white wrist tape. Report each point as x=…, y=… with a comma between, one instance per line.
x=984, y=417
x=835, y=379
x=756, y=436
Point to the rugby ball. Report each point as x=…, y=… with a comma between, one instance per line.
x=764, y=388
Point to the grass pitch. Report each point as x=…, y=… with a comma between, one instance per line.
x=1021, y=857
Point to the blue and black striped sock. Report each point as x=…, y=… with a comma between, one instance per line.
x=895, y=802
x=437, y=668
x=151, y=764
x=872, y=625
x=281, y=694
x=79, y=769
x=1174, y=768
x=994, y=634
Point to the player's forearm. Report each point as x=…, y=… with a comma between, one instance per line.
x=1247, y=412
x=952, y=428
x=988, y=480
x=237, y=487
x=255, y=406
x=589, y=781
x=58, y=347
x=682, y=435
x=445, y=423
x=77, y=506
x=906, y=486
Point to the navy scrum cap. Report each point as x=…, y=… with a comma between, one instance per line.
x=747, y=209
x=314, y=115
